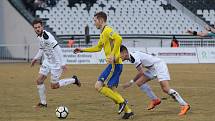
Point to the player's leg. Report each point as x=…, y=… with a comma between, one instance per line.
x=122, y=106
x=166, y=88
x=128, y=112
x=163, y=77
x=73, y=80
x=44, y=70
x=144, y=87
x=112, y=84
x=56, y=82
x=106, y=90
x=101, y=88
x=102, y=78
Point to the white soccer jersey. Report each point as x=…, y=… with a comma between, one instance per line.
x=145, y=59
x=51, y=51
x=156, y=67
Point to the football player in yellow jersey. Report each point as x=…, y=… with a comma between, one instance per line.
x=110, y=41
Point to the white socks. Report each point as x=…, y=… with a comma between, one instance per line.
x=146, y=88
x=175, y=94
x=42, y=95
x=64, y=82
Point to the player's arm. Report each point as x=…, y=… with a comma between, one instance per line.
x=117, y=40
x=37, y=57
x=195, y=33
x=137, y=61
x=136, y=78
x=58, y=50
x=140, y=73
x=95, y=48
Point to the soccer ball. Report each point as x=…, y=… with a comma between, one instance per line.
x=62, y=112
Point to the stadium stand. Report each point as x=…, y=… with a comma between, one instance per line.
x=202, y=8
x=27, y=9
x=126, y=16
x=142, y=23
x=136, y=20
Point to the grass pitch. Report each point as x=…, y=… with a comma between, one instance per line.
x=18, y=95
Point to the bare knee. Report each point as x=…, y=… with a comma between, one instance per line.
x=55, y=86
x=165, y=86
x=98, y=86
x=165, y=90
x=40, y=79
x=142, y=81
x=139, y=84
x=39, y=82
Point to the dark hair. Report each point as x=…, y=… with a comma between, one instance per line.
x=36, y=21
x=123, y=48
x=102, y=15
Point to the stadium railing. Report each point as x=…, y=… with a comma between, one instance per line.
x=24, y=52
x=146, y=40
x=14, y=53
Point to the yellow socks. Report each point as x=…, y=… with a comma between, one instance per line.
x=111, y=94
x=127, y=109
x=119, y=97
x=115, y=96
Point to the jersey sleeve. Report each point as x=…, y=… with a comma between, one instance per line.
x=39, y=54
x=51, y=40
x=60, y=54
x=117, y=40
x=135, y=59
x=95, y=48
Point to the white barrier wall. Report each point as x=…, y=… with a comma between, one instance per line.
x=169, y=55
x=175, y=55
x=206, y=55
x=83, y=58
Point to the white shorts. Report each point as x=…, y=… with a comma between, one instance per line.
x=55, y=72
x=159, y=71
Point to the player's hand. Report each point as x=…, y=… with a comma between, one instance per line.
x=110, y=59
x=126, y=85
x=33, y=62
x=77, y=50
x=64, y=67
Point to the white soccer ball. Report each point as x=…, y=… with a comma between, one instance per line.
x=62, y=112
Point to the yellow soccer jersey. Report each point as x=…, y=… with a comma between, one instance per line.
x=110, y=41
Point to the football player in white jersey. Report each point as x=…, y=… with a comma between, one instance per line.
x=53, y=62
x=156, y=69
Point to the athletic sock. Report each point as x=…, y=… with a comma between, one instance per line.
x=176, y=95
x=119, y=97
x=112, y=95
x=127, y=109
x=146, y=88
x=42, y=95
x=64, y=82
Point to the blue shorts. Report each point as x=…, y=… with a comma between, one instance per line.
x=112, y=74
